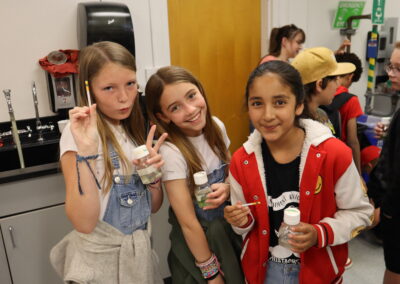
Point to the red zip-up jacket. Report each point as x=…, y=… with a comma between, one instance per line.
x=332, y=199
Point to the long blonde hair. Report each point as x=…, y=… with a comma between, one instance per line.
x=212, y=133
x=91, y=60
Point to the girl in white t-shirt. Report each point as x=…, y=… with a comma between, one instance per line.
x=106, y=202
x=203, y=247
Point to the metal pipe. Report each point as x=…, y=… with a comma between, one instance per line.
x=349, y=31
x=38, y=123
x=14, y=129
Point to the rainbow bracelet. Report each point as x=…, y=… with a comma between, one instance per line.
x=210, y=268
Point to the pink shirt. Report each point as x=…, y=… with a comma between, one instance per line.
x=268, y=58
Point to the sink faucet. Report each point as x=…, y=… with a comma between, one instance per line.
x=14, y=129
x=38, y=123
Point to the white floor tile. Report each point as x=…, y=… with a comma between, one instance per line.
x=368, y=263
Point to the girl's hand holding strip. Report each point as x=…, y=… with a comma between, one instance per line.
x=379, y=130
x=306, y=238
x=83, y=122
x=219, y=195
x=237, y=215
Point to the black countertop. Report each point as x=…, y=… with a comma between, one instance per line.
x=40, y=157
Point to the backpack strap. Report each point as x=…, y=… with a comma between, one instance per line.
x=340, y=100
x=333, y=112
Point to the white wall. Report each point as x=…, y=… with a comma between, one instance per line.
x=315, y=17
x=29, y=30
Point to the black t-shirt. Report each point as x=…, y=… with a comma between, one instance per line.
x=283, y=192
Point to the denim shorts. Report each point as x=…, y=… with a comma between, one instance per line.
x=281, y=273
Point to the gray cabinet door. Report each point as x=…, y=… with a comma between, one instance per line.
x=28, y=239
x=4, y=272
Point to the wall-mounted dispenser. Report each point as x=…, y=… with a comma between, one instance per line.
x=101, y=21
x=60, y=67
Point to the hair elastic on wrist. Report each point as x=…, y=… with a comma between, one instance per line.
x=85, y=159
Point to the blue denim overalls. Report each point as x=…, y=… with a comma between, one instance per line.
x=216, y=176
x=129, y=206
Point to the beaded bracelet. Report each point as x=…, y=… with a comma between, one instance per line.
x=85, y=159
x=210, y=268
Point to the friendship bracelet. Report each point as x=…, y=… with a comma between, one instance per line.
x=210, y=268
x=85, y=159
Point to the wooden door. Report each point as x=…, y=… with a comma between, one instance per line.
x=219, y=42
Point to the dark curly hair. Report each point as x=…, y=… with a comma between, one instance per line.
x=352, y=58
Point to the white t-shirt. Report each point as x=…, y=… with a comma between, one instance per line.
x=175, y=166
x=67, y=143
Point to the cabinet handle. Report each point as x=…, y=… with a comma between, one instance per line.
x=11, y=230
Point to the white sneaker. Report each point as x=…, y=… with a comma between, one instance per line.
x=349, y=263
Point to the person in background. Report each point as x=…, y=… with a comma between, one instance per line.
x=348, y=105
x=383, y=186
x=204, y=248
x=286, y=42
x=292, y=162
x=319, y=73
x=106, y=201
x=369, y=158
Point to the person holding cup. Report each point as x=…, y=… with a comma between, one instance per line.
x=383, y=187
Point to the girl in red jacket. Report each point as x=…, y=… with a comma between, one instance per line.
x=290, y=161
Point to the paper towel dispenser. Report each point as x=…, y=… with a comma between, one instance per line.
x=102, y=21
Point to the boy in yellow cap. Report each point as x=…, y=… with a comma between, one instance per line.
x=319, y=70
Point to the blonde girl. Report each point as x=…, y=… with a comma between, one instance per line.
x=106, y=202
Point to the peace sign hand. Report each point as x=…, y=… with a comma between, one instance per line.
x=155, y=159
x=84, y=129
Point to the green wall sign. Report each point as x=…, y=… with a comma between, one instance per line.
x=378, y=11
x=347, y=9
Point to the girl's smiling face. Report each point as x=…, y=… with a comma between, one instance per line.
x=183, y=104
x=272, y=108
x=115, y=90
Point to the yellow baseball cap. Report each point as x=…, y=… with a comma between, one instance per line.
x=319, y=62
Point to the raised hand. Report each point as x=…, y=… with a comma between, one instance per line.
x=307, y=238
x=219, y=195
x=237, y=215
x=155, y=159
x=343, y=46
x=84, y=129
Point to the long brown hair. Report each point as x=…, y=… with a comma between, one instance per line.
x=212, y=133
x=277, y=34
x=91, y=60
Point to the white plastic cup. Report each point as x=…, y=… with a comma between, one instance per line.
x=386, y=122
x=62, y=124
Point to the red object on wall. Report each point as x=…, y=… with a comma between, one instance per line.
x=61, y=70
